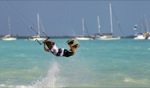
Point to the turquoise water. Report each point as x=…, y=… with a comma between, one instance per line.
x=119, y=63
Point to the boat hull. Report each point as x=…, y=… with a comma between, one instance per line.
x=9, y=39
x=33, y=39
x=83, y=38
x=108, y=38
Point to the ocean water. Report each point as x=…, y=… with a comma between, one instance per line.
x=103, y=64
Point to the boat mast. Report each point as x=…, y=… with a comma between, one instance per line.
x=83, y=28
x=38, y=24
x=9, y=26
x=146, y=23
x=111, y=25
x=98, y=21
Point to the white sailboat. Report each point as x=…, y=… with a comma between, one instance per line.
x=37, y=37
x=110, y=36
x=83, y=37
x=97, y=36
x=138, y=36
x=9, y=37
x=143, y=35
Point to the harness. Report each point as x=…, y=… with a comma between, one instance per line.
x=56, y=51
x=59, y=52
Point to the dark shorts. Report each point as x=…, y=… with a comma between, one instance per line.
x=67, y=53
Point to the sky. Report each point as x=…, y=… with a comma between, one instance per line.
x=65, y=17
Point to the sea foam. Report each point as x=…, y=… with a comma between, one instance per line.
x=50, y=81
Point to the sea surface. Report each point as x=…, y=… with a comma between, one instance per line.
x=121, y=63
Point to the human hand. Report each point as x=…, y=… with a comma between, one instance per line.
x=45, y=41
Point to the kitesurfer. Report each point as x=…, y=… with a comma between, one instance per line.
x=50, y=46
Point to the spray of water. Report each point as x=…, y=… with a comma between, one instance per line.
x=50, y=81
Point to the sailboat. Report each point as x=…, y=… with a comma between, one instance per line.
x=83, y=37
x=143, y=35
x=138, y=36
x=109, y=36
x=37, y=37
x=9, y=37
x=98, y=35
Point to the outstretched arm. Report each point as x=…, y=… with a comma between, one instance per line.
x=45, y=48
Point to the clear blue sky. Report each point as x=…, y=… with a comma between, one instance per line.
x=64, y=17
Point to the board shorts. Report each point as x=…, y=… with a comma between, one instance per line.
x=67, y=53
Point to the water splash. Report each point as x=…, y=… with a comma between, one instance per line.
x=50, y=81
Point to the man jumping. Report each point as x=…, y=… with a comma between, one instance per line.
x=50, y=46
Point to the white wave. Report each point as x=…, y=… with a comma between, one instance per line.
x=21, y=86
x=128, y=79
x=6, y=86
x=137, y=81
x=50, y=81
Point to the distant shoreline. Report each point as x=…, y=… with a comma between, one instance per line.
x=27, y=37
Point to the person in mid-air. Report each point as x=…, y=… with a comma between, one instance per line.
x=50, y=46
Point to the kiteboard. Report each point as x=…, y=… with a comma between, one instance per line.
x=74, y=43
